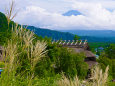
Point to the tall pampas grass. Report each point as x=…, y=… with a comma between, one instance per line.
x=98, y=78
x=34, y=51
x=69, y=82
x=10, y=55
x=11, y=12
x=37, y=51
x=21, y=39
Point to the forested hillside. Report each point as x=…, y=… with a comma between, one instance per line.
x=55, y=35
x=4, y=29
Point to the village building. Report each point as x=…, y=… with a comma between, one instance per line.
x=80, y=47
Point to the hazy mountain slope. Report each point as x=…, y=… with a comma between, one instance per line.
x=95, y=33
x=99, y=39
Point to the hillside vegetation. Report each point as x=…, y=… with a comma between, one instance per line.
x=55, y=35
x=4, y=29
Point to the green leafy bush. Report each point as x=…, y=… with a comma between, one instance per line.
x=107, y=58
x=64, y=60
x=110, y=51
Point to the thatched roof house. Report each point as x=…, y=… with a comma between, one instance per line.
x=80, y=47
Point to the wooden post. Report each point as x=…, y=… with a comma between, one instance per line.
x=68, y=42
x=80, y=42
x=76, y=42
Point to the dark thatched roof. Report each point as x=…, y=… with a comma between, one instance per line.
x=89, y=54
x=86, y=52
x=90, y=57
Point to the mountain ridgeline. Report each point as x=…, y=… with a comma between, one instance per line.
x=55, y=35
x=93, y=33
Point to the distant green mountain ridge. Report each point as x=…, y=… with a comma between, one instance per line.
x=55, y=35
x=4, y=31
x=99, y=39
x=93, y=33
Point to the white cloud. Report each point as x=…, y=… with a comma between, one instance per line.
x=48, y=15
x=96, y=14
x=37, y=16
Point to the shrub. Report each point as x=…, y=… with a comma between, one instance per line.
x=105, y=61
x=64, y=60
x=110, y=51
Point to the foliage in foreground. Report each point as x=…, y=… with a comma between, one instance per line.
x=98, y=78
x=108, y=58
x=21, y=57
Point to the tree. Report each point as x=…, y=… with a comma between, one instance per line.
x=76, y=37
x=105, y=61
x=65, y=60
x=110, y=51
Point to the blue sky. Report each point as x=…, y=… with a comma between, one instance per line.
x=96, y=14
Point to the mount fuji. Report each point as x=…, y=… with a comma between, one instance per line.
x=72, y=12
